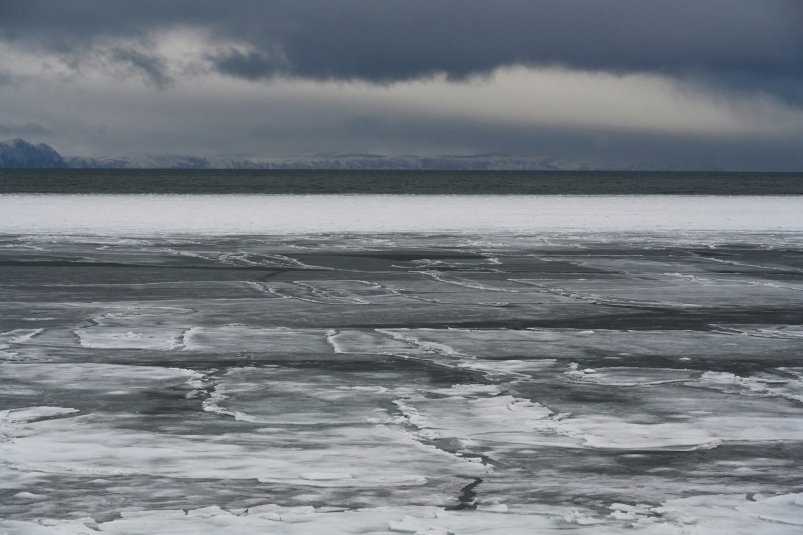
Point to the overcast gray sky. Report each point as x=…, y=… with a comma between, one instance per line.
x=690, y=83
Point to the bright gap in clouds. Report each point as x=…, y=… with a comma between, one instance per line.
x=557, y=97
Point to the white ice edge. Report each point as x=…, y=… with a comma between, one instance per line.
x=283, y=214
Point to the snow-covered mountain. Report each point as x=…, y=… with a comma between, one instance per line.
x=18, y=153
x=328, y=161
x=332, y=161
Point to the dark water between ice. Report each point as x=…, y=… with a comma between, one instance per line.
x=398, y=182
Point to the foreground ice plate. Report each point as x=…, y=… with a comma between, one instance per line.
x=540, y=382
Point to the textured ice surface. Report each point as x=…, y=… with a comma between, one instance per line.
x=248, y=338
x=361, y=457
x=402, y=383
x=705, y=515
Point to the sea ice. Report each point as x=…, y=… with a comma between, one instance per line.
x=276, y=214
x=582, y=381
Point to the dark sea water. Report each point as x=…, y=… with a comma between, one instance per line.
x=397, y=182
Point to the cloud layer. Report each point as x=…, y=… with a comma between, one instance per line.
x=643, y=81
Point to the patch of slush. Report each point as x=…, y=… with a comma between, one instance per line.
x=328, y=292
x=629, y=295
x=465, y=282
x=575, y=343
x=472, y=412
x=363, y=456
x=277, y=261
x=787, y=383
x=628, y=376
x=512, y=369
x=484, y=414
x=794, y=332
x=18, y=336
x=12, y=417
x=699, y=432
x=262, y=339
x=407, y=336
x=364, y=342
x=134, y=327
x=163, y=339
x=94, y=378
x=284, y=396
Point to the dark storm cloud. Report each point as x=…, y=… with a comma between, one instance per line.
x=759, y=41
x=152, y=68
x=251, y=65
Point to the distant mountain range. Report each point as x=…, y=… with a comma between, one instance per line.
x=18, y=153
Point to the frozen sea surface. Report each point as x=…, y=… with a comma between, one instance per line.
x=273, y=214
x=589, y=381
